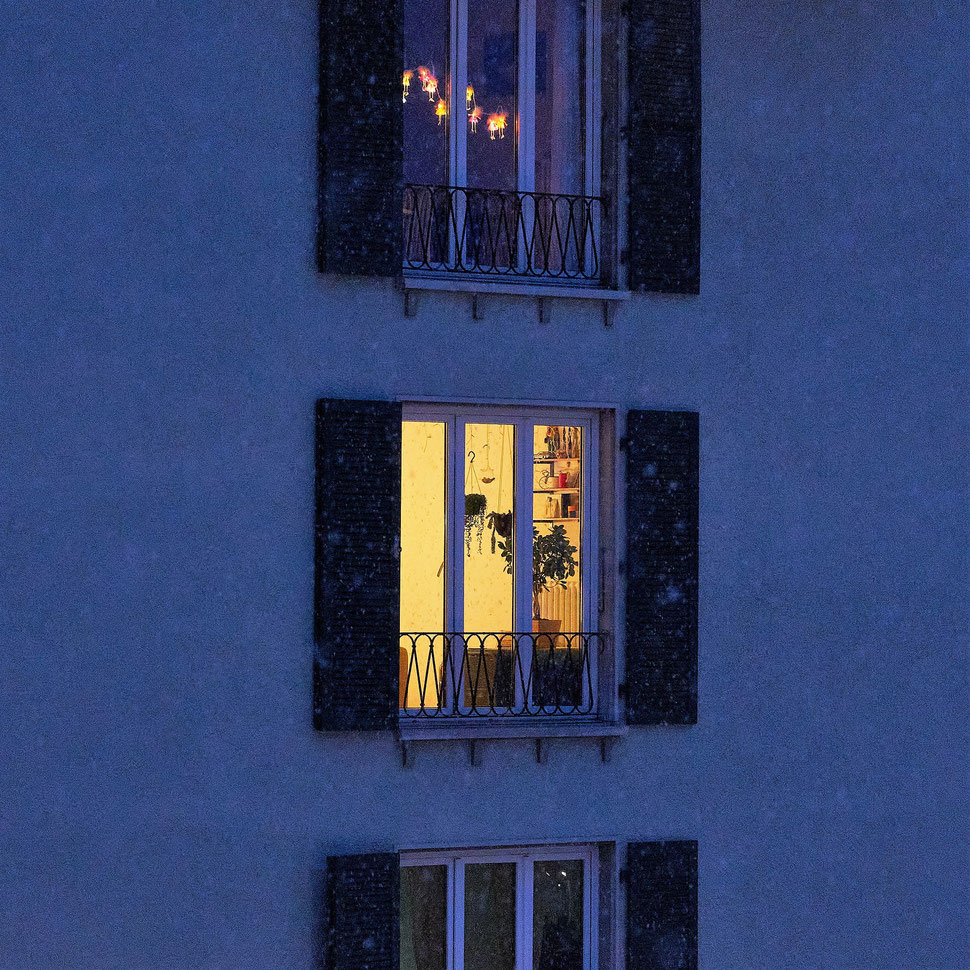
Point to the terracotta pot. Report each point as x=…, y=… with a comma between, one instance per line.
x=546, y=626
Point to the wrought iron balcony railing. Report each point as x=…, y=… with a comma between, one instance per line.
x=497, y=674
x=523, y=235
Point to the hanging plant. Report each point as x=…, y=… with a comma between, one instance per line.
x=501, y=525
x=475, y=505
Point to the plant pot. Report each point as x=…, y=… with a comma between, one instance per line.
x=546, y=626
x=475, y=504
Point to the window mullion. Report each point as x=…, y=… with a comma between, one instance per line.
x=457, y=533
x=456, y=951
x=525, y=134
x=523, y=910
x=592, y=99
x=526, y=121
x=456, y=95
x=457, y=130
x=523, y=555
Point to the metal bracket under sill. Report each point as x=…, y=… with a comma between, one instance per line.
x=475, y=732
x=541, y=292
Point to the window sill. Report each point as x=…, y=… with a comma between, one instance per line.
x=467, y=284
x=499, y=728
x=538, y=730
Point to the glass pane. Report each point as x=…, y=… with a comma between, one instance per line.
x=561, y=223
x=425, y=132
x=423, y=909
x=490, y=240
x=489, y=561
x=493, y=77
x=489, y=516
x=557, y=935
x=423, y=567
x=490, y=916
x=557, y=594
x=425, y=91
x=560, y=96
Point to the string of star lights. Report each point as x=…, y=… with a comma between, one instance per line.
x=496, y=122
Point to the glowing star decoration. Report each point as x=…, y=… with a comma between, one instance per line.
x=474, y=117
x=469, y=98
x=406, y=81
x=441, y=109
x=429, y=83
x=496, y=123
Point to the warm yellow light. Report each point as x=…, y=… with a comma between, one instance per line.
x=469, y=98
x=474, y=118
x=496, y=124
x=429, y=83
x=406, y=81
x=441, y=109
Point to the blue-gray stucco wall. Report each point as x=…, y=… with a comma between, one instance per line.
x=165, y=803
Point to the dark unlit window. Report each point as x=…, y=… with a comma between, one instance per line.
x=501, y=141
x=499, y=909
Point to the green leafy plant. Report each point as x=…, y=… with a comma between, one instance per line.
x=553, y=561
x=475, y=505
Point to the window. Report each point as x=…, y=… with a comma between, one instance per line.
x=564, y=907
x=596, y=182
x=499, y=518
x=499, y=909
x=419, y=618
x=501, y=109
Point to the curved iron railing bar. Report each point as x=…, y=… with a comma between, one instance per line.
x=501, y=233
x=487, y=675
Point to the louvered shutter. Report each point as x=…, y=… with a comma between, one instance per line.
x=661, y=567
x=357, y=564
x=362, y=912
x=661, y=906
x=664, y=145
x=360, y=138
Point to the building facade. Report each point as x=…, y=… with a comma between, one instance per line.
x=486, y=487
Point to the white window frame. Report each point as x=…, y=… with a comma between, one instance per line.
x=523, y=126
x=524, y=857
x=455, y=417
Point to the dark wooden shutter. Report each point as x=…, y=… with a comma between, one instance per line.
x=361, y=137
x=661, y=906
x=357, y=564
x=362, y=912
x=661, y=567
x=664, y=145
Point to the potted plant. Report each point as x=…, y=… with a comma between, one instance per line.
x=553, y=562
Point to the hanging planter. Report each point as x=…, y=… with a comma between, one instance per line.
x=475, y=505
x=501, y=525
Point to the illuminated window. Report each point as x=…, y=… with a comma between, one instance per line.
x=498, y=528
x=508, y=909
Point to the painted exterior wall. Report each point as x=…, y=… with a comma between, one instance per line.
x=165, y=801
